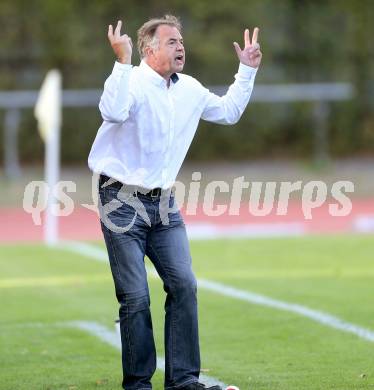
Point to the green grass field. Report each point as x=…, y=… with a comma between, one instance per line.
x=252, y=346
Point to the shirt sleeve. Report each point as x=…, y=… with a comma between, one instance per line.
x=117, y=99
x=229, y=108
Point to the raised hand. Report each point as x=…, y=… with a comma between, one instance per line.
x=121, y=44
x=251, y=54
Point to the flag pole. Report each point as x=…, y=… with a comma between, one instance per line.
x=52, y=173
x=48, y=114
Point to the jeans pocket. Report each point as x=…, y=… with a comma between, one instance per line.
x=115, y=215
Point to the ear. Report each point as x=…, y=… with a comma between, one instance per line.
x=148, y=51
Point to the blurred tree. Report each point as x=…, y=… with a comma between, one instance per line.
x=302, y=41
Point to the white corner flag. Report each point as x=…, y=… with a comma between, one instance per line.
x=48, y=114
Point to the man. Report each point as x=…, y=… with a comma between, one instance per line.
x=150, y=114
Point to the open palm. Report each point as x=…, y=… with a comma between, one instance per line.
x=251, y=54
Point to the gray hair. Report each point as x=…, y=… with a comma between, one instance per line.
x=146, y=33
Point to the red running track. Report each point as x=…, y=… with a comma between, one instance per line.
x=83, y=224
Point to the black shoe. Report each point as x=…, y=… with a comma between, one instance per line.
x=199, y=386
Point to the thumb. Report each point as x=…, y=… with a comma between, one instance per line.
x=237, y=49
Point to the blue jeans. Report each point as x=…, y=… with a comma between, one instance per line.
x=167, y=247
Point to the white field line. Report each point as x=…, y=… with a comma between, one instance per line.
x=106, y=335
x=256, y=299
x=86, y=250
x=315, y=315
x=210, y=231
x=364, y=223
x=112, y=338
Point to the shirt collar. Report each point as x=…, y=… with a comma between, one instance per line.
x=154, y=76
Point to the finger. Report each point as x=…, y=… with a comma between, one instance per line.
x=117, y=31
x=237, y=49
x=247, y=42
x=254, y=48
x=257, y=55
x=128, y=38
x=110, y=31
x=255, y=35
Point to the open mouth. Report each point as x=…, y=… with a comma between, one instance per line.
x=179, y=58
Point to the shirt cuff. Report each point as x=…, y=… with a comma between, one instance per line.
x=118, y=67
x=247, y=71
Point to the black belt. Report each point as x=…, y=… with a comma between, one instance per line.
x=154, y=193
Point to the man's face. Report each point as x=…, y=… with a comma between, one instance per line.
x=169, y=56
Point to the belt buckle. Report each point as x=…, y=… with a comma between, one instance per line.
x=155, y=193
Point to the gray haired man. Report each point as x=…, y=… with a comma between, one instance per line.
x=150, y=115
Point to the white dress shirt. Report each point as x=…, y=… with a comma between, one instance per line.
x=148, y=127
